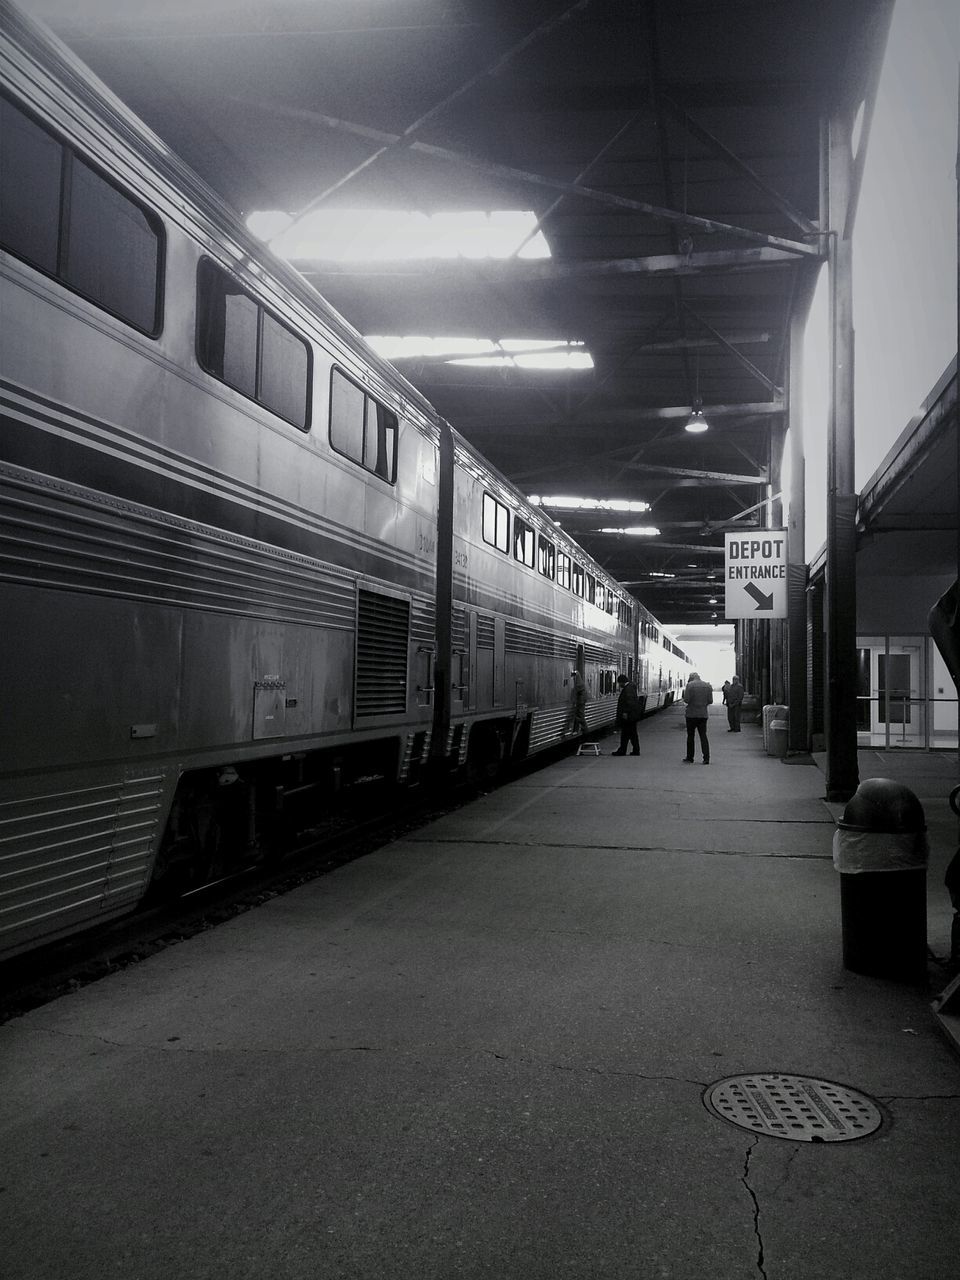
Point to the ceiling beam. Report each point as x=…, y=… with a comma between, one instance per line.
x=741, y=359
x=798, y=218
x=394, y=142
x=714, y=477
x=622, y=417
x=709, y=226
x=527, y=270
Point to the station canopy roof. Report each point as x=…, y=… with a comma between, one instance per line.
x=666, y=153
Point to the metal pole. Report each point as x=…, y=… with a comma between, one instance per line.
x=798, y=740
x=841, y=582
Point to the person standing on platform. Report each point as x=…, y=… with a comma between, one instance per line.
x=628, y=713
x=697, y=696
x=733, y=697
x=579, y=708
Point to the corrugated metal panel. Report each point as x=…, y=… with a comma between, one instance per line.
x=87, y=545
x=383, y=637
x=423, y=621
x=486, y=628
x=67, y=857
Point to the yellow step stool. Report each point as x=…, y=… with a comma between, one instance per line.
x=593, y=747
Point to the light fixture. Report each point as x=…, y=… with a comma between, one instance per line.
x=712, y=600
x=697, y=423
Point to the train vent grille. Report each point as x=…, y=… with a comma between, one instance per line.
x=383, y=629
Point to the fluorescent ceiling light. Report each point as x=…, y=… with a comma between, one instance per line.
x=636, y=531
x=396, y=235
x=589, y=504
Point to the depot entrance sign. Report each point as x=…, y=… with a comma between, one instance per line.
x=755, y=574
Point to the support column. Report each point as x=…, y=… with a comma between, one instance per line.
x=841, y=581
x=797, y=692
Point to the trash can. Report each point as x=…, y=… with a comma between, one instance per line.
x=772, y=711
x=880, y=849
x=778, y=736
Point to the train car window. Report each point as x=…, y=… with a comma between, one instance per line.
x=69, y=220
x=363, y=429
x=546, y=557
x=380, y=440
x=240, y=343
x=601, y=597
x=496, y=523
x=579, y=579
x=284, y=372
x=626, y=613
x=110, y=251
x=30, y=168
x=346, y=417
x=563, y=570
x=590, y=588
x=611, y=601
x=523, y=542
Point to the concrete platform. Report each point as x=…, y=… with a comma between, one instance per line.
x=482, y=1050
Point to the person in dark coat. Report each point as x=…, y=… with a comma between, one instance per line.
x=697, y=696
x=733, y=697
x=628, y=713
x=578, y=703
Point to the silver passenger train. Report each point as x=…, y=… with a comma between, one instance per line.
x=244, y=562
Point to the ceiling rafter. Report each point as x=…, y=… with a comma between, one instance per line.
x=391, y=142
x=741, y=359
x=710, y=226
x=796, y=216
x=530, y=270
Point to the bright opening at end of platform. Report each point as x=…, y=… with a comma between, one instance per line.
x=397, y=235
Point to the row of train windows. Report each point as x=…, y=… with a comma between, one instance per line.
x=74, y=224
x=536, y=551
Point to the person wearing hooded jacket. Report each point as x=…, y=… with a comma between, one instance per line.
x=697, y=697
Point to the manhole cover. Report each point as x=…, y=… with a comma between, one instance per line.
x=795, y=1107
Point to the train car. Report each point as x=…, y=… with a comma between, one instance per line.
x=663, y=666
x=529, y=614
x=243, y=561
x=220, y=518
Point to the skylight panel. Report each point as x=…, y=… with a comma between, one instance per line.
x=391, y=235
x=562, y=503
x=516, y=353
x=636, y=531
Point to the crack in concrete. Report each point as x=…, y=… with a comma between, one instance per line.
x=756, y=1206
